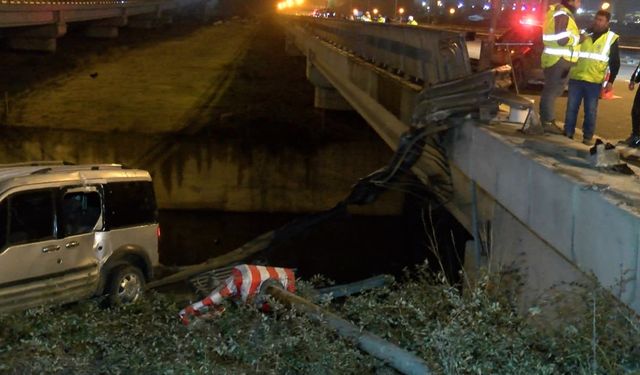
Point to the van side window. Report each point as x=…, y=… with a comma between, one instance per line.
x=31, y=217
x=80, y=212
x=129, y=204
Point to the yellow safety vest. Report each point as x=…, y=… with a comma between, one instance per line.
x=413, y=22
x=594, y=58
x=553, y=52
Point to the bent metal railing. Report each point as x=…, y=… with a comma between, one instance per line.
x=427, y=54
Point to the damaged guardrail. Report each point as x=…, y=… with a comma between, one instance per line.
x=430, y=55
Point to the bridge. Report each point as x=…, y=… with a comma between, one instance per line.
x=530, y=201
x=36, y=24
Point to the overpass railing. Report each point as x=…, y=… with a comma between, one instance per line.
x=427, y=54
x=21, y=13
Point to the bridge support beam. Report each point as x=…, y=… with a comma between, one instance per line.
x=38, y=38
x=106, y=28
x=326, y=96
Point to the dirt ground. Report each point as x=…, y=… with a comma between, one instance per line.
x=233, y=80
x=147, y=88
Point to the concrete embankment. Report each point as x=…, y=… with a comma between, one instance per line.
x=219, y=115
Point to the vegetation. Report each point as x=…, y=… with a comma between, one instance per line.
x=473, y=332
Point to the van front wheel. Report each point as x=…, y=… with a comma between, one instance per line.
x=126, y=285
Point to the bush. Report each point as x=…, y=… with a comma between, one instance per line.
x=475, y=332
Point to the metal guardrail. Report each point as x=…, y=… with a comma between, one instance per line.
x=430, y=55
x=21, y=13
x=632, y=43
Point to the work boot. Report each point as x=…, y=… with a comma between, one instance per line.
x=552, y=128
x=570, y=136
x=588, y=141
x=634, y=141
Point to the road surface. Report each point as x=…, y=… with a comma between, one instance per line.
x=614, y=116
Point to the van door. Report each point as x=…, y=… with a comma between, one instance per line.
x=80, y=216
x=30, y=254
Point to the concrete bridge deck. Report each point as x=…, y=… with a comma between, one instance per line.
x=36, y=25
x=529, y=201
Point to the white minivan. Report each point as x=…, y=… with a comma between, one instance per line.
x=68, y=232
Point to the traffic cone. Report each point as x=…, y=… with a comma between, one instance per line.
x=604, y=94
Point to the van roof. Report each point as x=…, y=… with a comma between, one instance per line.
x=52, y=172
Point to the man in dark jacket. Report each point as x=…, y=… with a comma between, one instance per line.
x=634, y=139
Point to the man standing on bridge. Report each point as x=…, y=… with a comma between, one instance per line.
x=598, y=52
x=561, y=39
x=634, y=139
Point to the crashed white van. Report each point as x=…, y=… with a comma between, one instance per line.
x=68, y=232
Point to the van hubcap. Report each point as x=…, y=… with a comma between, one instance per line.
x=129, y=288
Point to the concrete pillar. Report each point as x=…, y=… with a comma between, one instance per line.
x=106, y=28
x=37, y=38
x=326, y=96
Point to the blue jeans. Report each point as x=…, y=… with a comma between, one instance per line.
x=590, y=92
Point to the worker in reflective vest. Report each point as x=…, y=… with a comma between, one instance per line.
x=561, y=39
x=245, y=283
x=598, y=52
x=634, y=139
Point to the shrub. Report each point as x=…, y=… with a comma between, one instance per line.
x=473, y=332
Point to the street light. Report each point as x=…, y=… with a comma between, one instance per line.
x=355, y=12
x=606, y=5
x=452, y=10
x=401, y=11
x=375, y=10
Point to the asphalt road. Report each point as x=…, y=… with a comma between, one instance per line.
x=614, y=115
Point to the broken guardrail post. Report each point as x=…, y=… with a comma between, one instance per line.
x=345, y=290
x=398, y=358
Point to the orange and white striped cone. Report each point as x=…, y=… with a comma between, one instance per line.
x=245, y=283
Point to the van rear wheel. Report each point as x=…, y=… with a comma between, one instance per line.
x=126, y=284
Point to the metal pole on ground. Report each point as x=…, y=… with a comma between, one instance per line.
x=398, y=358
